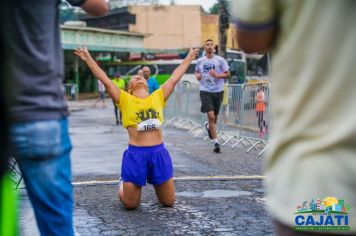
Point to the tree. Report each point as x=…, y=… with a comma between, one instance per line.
x=215, y=9
x=223, y=25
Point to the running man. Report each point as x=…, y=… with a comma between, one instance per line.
x=120, y=83
x=146, y=159
x=101, y=91
x=211, y=71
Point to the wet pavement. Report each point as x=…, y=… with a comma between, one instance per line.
x=214, y=193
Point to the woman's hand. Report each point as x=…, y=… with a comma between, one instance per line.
x=192, y=54
x=83, y=53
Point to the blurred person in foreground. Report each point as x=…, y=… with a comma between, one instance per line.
x=211, y=71
x=146, y=159
x=39, y=137
x=8, y=198
x=313, y=148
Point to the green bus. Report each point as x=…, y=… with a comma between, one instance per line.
x=160, y=69
x=244, y=68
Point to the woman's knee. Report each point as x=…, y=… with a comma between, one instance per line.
x=168, y=201
x=130, y=205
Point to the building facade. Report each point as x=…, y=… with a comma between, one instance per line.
x=166, y=26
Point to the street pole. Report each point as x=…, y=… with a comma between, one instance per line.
x=223, y=25
x=76, y=73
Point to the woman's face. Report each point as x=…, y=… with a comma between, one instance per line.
x=137, y=81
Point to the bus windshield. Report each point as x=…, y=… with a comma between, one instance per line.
x=161, y=70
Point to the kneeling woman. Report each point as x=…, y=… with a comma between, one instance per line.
x=146, y=158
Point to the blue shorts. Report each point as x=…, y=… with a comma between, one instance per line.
x=152, y=164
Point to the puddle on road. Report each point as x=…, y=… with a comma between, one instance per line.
x=223, y=230
x=214, y=193
x=188, y=194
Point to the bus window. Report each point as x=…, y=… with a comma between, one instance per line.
x=237, y=72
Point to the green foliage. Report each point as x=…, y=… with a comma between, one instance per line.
x=215, y=9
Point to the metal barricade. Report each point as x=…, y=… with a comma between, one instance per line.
x=183, y=109
x=15, y=174
x=243, y=119
x=254, y=117
x=229, y=117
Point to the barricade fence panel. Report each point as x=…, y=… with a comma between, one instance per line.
x=243, y=119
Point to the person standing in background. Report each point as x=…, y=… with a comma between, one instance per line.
x=39, y=137
x=101, y=91
x=140, y=72
x=312, y=153
x=120, y=84
x=260, y=111
x=151, y=81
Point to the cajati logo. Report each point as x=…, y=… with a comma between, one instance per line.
x=329, y=214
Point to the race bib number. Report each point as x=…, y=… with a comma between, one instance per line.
x=149, y=125
x=208, y=81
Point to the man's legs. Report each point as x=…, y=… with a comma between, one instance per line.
x=212, y=119
x=116, y=114
x=211, y=103
x=42, y=150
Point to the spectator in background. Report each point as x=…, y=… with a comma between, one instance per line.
x=39, y=136
x=140, y=72
x=313, y=151
x=101, y=91
x=119, y=83
x=151, y=81
x=260, y=111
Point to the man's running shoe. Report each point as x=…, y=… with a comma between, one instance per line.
x=217, y=148
x=206, y=125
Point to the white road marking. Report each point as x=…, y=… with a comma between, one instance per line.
x=182, y=178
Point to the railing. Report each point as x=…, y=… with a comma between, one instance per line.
x=243, y=120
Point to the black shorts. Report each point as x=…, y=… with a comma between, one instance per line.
x=211, y=101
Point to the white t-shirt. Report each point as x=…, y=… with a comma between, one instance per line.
x=101, y=86
x=313, y=146
x=207, y=82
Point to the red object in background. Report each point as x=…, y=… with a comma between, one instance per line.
x=135, y=57
x=166, y=56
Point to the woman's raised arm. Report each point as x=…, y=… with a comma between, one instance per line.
x=177, y=74
x=110, y=87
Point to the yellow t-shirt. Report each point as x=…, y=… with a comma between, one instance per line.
x=226, y=95
x=120, y=83
x=136, y=111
